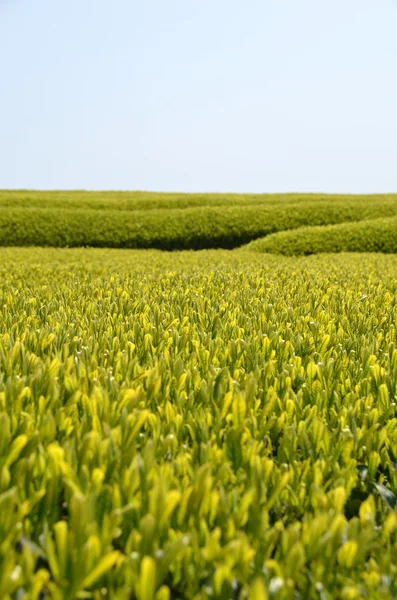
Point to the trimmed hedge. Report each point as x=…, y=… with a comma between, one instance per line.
x=71, y=223
x=82, y=200
x=378, y=235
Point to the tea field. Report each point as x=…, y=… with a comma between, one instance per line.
x=216, y=424
x=188, y=221
x=373, y=235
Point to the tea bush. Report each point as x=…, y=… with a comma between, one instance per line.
x=377, y=235
x=197, y=425
x=170, y=221
x=106, y=200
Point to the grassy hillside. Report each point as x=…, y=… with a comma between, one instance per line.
x=197, y=425
x=170, y=221
x=377, y=235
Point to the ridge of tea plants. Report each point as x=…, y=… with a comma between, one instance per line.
x=116, y=200
x=375, y=235
x=219, y=424
x=172, y=221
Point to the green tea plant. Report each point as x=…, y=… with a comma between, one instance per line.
x=79, y=199
x=375, y=235
x=171, y=221
x=219, y=424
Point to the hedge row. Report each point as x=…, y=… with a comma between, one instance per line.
x=378, y=235
x=81, y=200
x=193, y=227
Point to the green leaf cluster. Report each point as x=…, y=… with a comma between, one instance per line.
x=197, y=425
x=171, y=221
x=374, y=235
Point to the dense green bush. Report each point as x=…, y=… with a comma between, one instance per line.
x=220, y=225
x=197, y=425
x=378, y=235
x=81, y=200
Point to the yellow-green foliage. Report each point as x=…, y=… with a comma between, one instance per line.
x=375, y=235
x=77, y=200
x=200, y=425
x=171, y=221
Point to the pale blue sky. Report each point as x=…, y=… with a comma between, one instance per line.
x=209, y=95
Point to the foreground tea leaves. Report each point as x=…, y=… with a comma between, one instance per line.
x=197, y=426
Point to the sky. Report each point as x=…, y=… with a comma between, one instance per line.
x=199, y=96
